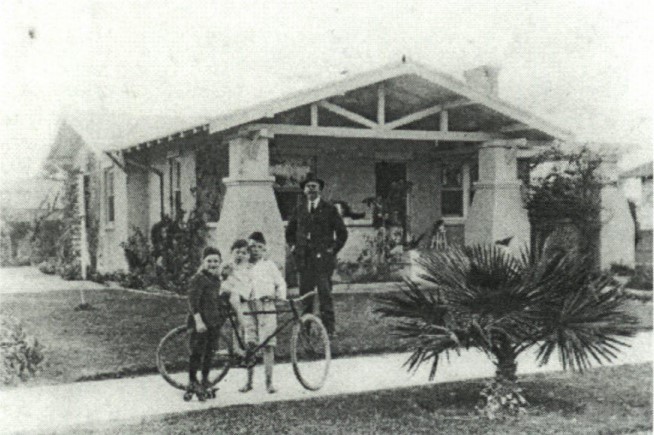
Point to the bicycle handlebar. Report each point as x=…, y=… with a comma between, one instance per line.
x=300, y=298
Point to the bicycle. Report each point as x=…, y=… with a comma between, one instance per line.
x=309, y=348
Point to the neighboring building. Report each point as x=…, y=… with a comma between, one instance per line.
x=22, y=204
x=461, y=146
x=642, y=175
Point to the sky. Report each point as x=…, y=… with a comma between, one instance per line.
x=584, y=65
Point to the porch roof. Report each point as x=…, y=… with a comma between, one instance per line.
x=641, y=171
x=413, y=88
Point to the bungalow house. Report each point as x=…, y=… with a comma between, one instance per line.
x=458, y=143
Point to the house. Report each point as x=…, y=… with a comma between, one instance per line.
x=642, y=176
x=462, y=147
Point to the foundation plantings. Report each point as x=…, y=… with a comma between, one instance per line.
x=486, y=298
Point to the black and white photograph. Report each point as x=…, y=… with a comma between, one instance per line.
x=326, y=217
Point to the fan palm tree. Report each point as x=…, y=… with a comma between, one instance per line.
x=486, y=298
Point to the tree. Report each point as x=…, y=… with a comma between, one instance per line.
x=483, y=297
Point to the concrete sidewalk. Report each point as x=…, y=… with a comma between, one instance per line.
x=31, y=280
x=56, y=408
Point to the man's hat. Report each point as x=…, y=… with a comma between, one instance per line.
x=257, y=236
x=311, y=177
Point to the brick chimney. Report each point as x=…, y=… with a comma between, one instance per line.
x=483, y=78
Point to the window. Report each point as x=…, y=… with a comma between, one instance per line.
x=109, y=195
x=289, y=171
x=452, y=189
x=174, y=178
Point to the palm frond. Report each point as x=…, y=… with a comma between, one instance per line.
x=582, y=318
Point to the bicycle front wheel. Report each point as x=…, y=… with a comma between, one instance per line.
x=173, y=357
x=310, y=352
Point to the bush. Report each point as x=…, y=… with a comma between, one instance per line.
x=48, y=267
x=641, y=279
x=381, y=259
x=22, y=354
x=70, y=271
x=621, y=269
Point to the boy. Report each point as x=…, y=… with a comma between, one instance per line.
x=204, y=318
x=268, y=286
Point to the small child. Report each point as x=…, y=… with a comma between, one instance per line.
x=237, y=280
x=268, y=286
x=204, y=317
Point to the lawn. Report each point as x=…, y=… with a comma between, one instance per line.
x=120, y=335
x=604, y=400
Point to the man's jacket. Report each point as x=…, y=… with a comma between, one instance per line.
x=321, y=232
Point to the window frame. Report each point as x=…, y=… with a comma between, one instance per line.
x=174, y=186
x=109, y=197
x=464, y=189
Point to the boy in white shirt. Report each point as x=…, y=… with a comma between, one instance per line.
x=268, y=286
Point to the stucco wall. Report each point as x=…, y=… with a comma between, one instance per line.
x=111, y=256
x=137, y=199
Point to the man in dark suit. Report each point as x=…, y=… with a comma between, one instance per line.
x=316, y=233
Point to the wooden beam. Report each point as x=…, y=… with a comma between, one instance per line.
x=461, y=102
x=347, y=114
x=444, y=122
x=314, y=115
x=381, y=104
x=344, y=132
x=515, y=127
x=408, y=119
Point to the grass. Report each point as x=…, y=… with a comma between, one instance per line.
x=119, y=336
x=604, y=400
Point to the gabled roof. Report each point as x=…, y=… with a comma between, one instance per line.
x=642, y=171
x=103, y=131
x=269, y=108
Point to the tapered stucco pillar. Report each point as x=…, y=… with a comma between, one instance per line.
x=497, y=212
x=249, y=203
x=617, y=242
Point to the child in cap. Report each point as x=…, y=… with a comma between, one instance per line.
x=268, y=286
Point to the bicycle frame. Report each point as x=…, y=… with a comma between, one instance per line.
x=295, y=319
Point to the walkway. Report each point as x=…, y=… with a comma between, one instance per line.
x=62, y=406
x=31, y=280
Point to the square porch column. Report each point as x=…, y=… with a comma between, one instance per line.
x=497, y=212
x=249, y=203
x=617, y=234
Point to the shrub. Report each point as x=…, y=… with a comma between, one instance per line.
x=380, y=260
x=70, y=271
x=48, y=267
x=22, y=354
x=641, y=279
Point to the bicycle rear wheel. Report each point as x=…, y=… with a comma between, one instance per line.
x=310, y=352
x=173, y=357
